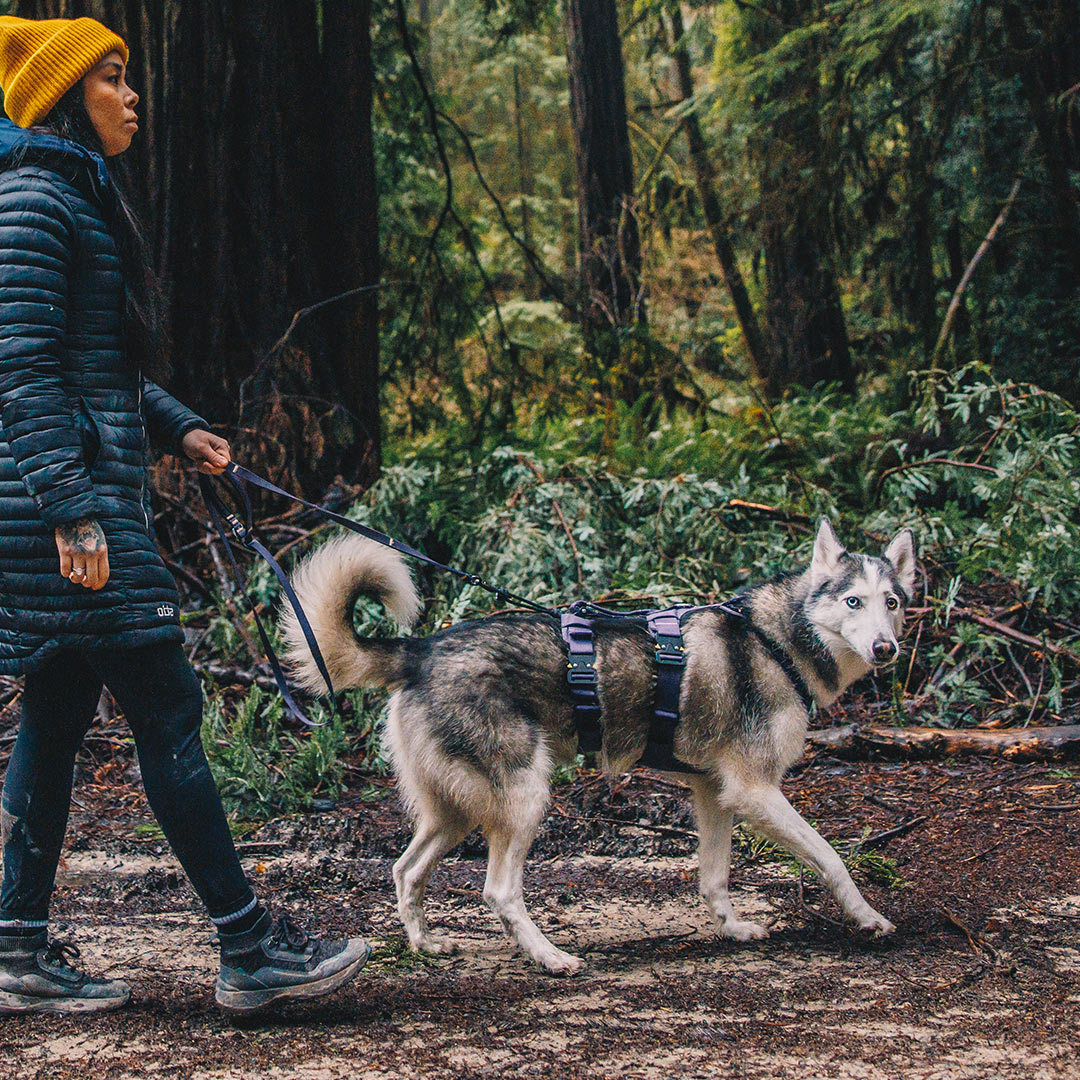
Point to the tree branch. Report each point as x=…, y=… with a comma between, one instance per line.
x=555, y=286
x=984, y=247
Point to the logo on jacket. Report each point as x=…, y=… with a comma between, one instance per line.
x=166, y=609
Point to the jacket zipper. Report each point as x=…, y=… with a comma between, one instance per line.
x=146, y=463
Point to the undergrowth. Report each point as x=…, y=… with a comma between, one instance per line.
x=987, y=473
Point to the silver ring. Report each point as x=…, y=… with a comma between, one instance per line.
x=77, y=572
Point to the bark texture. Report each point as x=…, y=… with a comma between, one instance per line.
x=705, y=176
x=1020, y=744
x=255, y=168
x=612, y=300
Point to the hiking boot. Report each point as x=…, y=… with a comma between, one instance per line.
x=276, y=960
x=36, y=976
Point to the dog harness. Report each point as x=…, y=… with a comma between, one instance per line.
x=669, y=654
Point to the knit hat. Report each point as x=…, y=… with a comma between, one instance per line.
x=42, y=59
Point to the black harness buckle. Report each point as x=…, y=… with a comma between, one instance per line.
x=669, y=649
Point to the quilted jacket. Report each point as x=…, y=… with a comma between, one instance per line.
x=76, y=417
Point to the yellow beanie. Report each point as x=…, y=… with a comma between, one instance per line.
x=42, y=59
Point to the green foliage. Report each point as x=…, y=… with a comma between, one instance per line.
x=694, y=509
x=1003, y=500
x=260, y=766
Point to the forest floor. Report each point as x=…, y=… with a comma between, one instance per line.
x=982, y=978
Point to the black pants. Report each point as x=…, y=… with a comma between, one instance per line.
x=161, y=698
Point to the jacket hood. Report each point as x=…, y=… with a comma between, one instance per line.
x=50, y=151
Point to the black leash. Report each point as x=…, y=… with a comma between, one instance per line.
x=239, y=477
x=664, y=626
x=243, y=532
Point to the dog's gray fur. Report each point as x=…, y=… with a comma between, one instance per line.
x=479, y=714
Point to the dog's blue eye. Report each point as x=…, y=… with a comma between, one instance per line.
x=854, y=602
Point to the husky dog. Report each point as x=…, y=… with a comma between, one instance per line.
x=479, y=714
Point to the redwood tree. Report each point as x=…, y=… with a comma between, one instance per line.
x=807, y=333
x=256, y=169
x=612, y=300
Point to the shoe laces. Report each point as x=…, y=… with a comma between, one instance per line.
x=287, y=932
x=61, y=953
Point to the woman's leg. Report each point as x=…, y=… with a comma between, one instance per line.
x=161, y=698
x=59, y=702
x=261, y=961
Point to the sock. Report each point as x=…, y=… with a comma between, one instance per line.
x=241, y=921
x=22, y=930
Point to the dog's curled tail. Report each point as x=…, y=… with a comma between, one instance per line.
x=328, y=583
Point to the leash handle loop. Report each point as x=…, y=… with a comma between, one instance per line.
x=219, y=514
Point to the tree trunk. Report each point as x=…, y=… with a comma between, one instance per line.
x=346, y=352
x=531, y=284
x=922, y=292
x=1044, y=41
x=612, y=300
x=805, y=320
x=256, y=168
x=710, y=205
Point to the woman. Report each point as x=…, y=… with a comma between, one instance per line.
x=85, y=599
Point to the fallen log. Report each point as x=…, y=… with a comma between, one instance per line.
x=859, y=742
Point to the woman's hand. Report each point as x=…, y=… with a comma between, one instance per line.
x=84, y=555
x=210, y=452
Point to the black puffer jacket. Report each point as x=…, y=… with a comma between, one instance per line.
x=74, y=415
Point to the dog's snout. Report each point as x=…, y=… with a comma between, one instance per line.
x=884, y=650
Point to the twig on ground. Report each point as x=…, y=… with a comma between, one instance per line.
x=1017, y=635
x=889, y=834
x=768, y=511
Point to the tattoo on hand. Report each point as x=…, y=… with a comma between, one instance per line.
x=84, y=535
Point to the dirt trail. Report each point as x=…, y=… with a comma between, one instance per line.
x=982, y=979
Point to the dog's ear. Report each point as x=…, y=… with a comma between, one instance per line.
x=828, y=551
x=901, y=553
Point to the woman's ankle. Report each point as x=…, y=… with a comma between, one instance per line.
x=240, y=921
x=23, y=928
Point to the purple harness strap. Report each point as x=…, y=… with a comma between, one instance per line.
x=581, y=678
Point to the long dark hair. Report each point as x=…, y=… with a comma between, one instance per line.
x=145, y=304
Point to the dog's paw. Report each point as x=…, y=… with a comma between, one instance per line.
x=878, y=925
x=436, y=945
x=560, y=963
x=742, y=930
